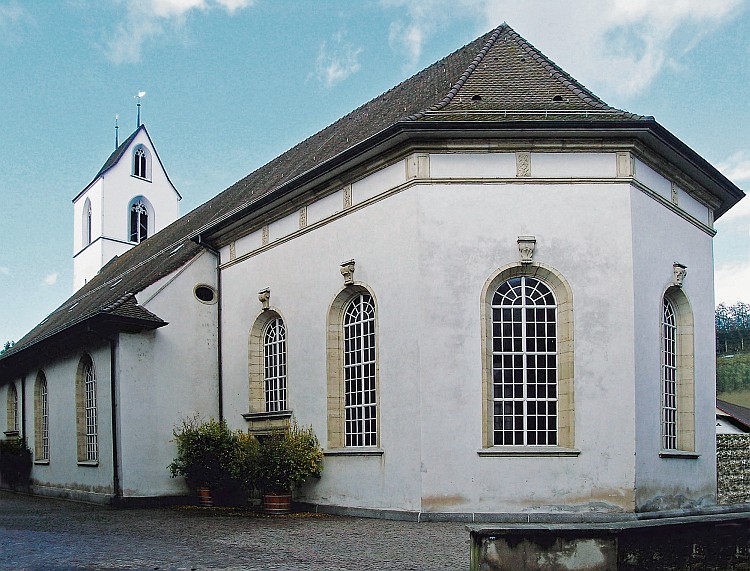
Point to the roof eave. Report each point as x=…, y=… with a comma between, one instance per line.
x=646, y=130
x=98, y=326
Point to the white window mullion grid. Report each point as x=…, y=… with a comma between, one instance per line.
x=45, y=421
x=360, y=400
x=274, y=349
x=521, y=418
x=92, y=445
x=669, y=377
x=14, y=411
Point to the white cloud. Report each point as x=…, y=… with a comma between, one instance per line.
x=4, y=271
x=50, y=279
x=12, y=17
x=337, y=60
x=737, y=169
x=620, y=45
x=147, y=19
x=731, y=283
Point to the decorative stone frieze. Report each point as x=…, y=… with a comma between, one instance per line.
x=303, y=217
x=264, y=296
x=232, y=251
x=264, y=238
x=675, y=198
x=347, y=270
x=678, y=274
x=523, y=164
x=347, y=196
x=526, y=245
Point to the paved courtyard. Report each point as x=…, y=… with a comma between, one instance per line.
x=53, y=535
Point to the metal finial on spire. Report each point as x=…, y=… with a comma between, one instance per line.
x=138, y=106
x=117, y=138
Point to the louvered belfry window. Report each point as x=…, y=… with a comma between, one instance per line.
x=274, y=369
x=138, y=221
x=360, y=400
x=524, y=364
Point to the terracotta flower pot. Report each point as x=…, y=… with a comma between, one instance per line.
x=205, y=498
x=274, y=503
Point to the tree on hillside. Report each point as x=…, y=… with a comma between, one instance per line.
x=8, y=345
x=732, y=327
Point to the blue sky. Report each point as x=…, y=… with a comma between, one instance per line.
x=230, y=84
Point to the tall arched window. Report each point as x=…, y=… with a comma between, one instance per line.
x=142, y=162
x=86, y=411
x=677, y=373
x=524, y=363
x=41, y=419
x=274, y=365
x=12, y=424
x=138, y=220
x=528, y=361
x=87, y=236
x=360, y=394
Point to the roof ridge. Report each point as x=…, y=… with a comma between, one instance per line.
x=464, y=76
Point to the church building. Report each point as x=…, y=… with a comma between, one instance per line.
x=486, y=290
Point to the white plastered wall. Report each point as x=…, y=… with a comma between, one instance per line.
x=661, y=238
x=165, y=376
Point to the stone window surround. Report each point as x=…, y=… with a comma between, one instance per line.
x=12, y=408
x=685, y=376
x=565, y=361
x=40, y=443
x=335, y=376
x=81, y=413
x=142, y=172
x=261, y=421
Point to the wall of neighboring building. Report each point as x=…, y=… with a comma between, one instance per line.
x=166, y=375
x=661, y=237
x=426, y=250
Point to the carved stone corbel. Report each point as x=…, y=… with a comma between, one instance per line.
x=264, y=296
x=526, y=245
x=678, y=274
x=347, y=270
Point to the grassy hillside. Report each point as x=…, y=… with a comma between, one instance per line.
x=733, y=378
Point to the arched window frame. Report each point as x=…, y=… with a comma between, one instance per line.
x=140, y=219
x=86, y=411
x=141, y=162
x=677, y=377
x=41, y=419
x=87, y=223
x=346, y=432
x=565, y=359
x=267, y=415
x=12, y=424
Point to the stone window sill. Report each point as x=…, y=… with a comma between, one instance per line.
x=92, y=463
x=686, y=454
x=41, y=462
x=263, y=416
x=528, y=451
x=353, y=452
x=11, y=433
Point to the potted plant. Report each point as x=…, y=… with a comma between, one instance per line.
x=15, y=462
x=216, y=462
x=286, y=459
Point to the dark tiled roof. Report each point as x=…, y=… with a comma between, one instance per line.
x=514, y=82
x=739, y=413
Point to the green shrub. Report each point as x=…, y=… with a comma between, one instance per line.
x=288, y=458
x=211, y=455
x=15, y=462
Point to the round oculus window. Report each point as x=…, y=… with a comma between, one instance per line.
x=205, y=293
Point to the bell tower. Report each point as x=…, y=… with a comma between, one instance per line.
x=128, y=200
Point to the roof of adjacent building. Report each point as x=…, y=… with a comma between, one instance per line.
x=739, y=415
x=498, y=82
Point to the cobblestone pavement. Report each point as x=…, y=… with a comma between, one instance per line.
x=41, y=534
